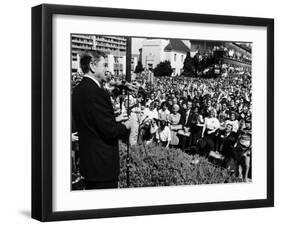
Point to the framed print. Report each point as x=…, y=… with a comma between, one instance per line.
x=146, y=112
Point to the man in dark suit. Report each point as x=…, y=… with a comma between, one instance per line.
x=97, y=127
x=227, y=140
x=185, y=121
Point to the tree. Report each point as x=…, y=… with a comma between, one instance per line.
x=163, y=69
x=188, y=67
x=139, y=67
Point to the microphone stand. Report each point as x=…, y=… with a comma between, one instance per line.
x=128, y=143
x=122, y=98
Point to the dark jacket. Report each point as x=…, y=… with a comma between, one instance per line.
x=186, y=122
x=98, y=132
x=228, y=144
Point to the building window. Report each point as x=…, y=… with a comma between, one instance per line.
x=175, y=57
x=181, y=58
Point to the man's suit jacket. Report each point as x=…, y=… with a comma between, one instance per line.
x=98, y=132
x=185, y=120
x=228, y=144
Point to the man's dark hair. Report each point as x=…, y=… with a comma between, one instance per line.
x=162, y=123
x=87, y=57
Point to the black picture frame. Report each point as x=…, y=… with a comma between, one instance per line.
x=42, y=111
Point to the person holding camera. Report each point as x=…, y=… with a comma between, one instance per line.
x=163, y=134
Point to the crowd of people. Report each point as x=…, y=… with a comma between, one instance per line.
x=231, y=53
x=208, y=116
x=210, y=63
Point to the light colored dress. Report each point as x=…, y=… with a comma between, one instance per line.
x=134, y=126
x=174, y=120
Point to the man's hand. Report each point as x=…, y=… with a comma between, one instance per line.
x=132, y=87
x=124, y=84
x=127, y=124
x=122, y=117
x=117, y=111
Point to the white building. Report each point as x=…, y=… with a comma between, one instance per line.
x=155, y=51
x=134, y=61
x=114, y=47
x=116, y=64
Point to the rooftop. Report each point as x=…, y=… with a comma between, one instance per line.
x=176, y=45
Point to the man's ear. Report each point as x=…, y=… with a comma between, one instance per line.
x=92, y=67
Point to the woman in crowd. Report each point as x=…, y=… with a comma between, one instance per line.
x=245, y=113
x=233, y=121
x=151, y=112
x=174, y=121
x=164, y=112
x=211, y=126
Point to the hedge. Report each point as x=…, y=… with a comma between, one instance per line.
x=158, y=166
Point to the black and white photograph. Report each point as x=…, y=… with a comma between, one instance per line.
x=149, y=112
x=143, y=112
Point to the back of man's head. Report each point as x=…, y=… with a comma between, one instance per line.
x=90, y=56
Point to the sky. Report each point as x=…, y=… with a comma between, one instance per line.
x=136, y=45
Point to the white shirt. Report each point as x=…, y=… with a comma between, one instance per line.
x=212, y=123
x=151, y=114
x=163, y=135
x=187, y=115
x=163, y=115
